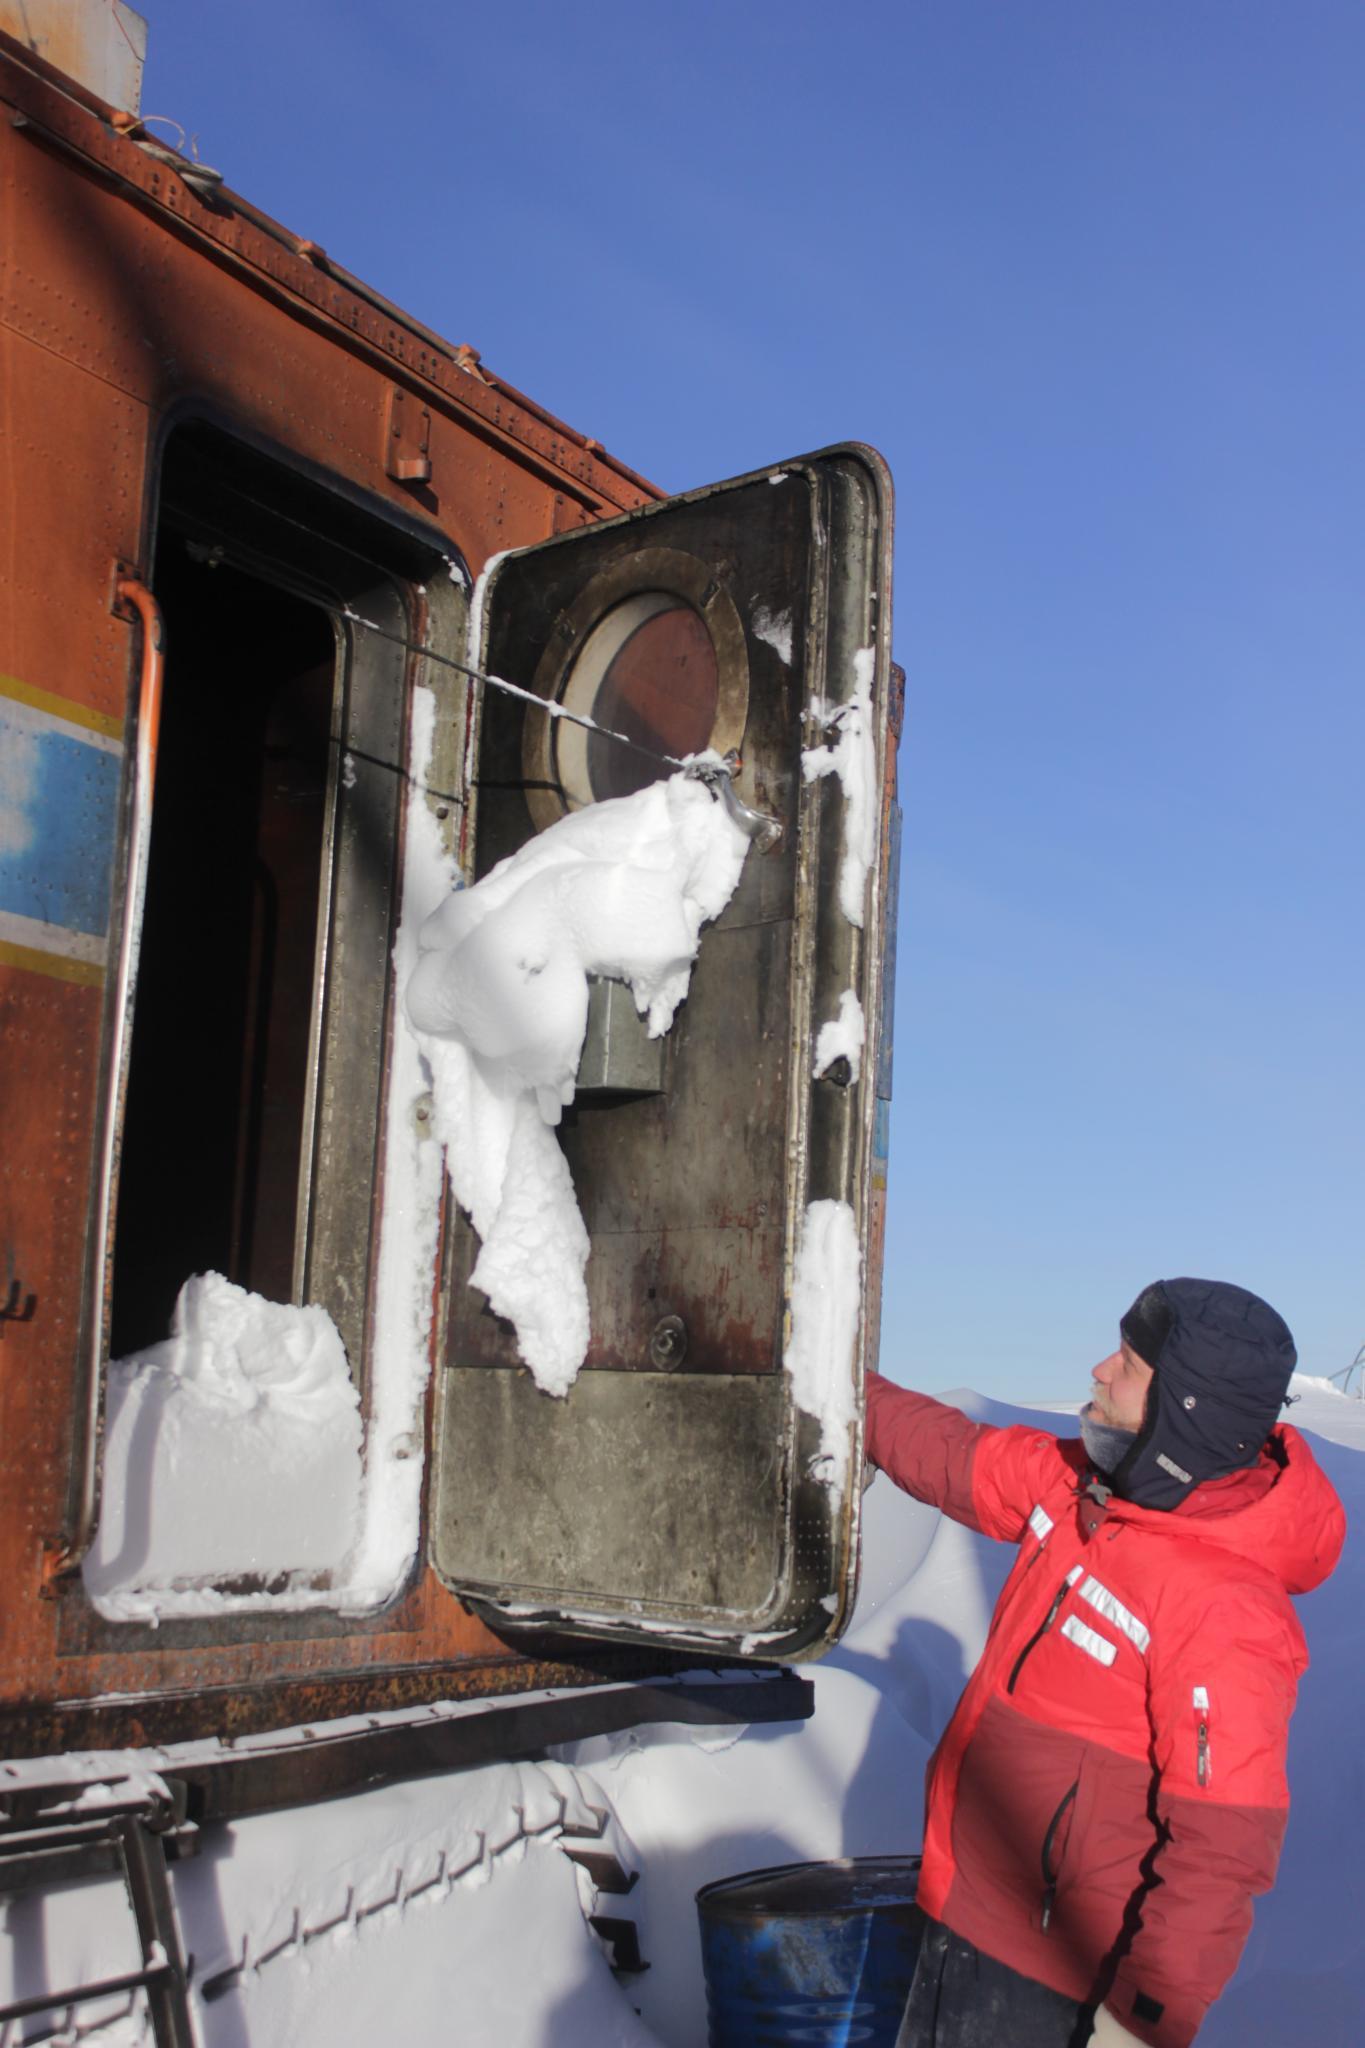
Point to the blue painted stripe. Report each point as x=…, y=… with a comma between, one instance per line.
x=58, y=819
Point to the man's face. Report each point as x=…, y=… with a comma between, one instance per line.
x=1118, y=1389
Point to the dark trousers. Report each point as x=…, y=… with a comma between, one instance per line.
x=962, y=1999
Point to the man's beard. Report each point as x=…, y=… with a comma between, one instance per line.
x=1106, y=1444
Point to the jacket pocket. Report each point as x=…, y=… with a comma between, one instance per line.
x=1054, y=1850
x=1014, y=1774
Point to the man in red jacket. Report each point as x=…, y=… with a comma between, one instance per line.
x=1110, y=1794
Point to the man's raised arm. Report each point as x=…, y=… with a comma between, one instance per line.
x=986, y=1477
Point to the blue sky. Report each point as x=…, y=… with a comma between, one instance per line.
x=1088, y=272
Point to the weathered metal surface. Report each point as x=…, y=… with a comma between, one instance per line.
x=623, y=1939
x=136, y=301
x=327, y=1765
x=694, y=1198
x=128, y=303
x=619, y=1056
x=76, y=1836
x=815, y=1951
x=102, y=44
x=407, y=448
x=606, y=1872
x=149, y=1893
x=682, y=1471
x=281, y=267
x=364, y=1679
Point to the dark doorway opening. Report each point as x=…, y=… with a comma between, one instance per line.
x=216, y=1133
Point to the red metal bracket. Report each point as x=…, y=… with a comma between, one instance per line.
x=407, y=438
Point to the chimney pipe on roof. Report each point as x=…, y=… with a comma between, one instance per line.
x=101, y=44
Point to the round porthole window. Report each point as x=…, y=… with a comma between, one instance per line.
x=649, y=672
x=652, y=650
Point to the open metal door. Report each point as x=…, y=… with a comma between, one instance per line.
x=700, y=1481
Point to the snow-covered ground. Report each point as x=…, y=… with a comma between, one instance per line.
x=444, y=1910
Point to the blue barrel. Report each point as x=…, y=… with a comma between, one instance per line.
x=810, y=1952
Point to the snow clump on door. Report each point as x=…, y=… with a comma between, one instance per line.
x=499, y=999
x=850, y=754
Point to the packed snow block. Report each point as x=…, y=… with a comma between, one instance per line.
x=232, y=1453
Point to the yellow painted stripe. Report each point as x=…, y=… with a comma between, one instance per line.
x=61, y=707
x=61, y=969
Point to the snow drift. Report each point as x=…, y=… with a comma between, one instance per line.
x=444, y=1906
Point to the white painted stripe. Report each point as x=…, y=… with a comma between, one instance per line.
x=1090, y=1640
x=1201, y=1698
x=17, y=930
x=1113, y=1609
x=1041, y=1524
x=29, y=718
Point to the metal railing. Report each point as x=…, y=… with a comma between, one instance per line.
x=1343, y=1378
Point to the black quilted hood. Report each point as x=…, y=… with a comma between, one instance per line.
x=1222, y=1360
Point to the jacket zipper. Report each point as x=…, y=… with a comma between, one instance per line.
x=1048, y=1620
x=1049, y=1874
x=1202, y=1766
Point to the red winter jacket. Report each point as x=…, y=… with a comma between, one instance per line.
x=1110, y=1794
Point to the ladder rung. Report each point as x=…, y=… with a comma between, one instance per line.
x=50, y=2001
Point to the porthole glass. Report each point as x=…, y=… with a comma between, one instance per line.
x=660, y=690
x=651, y=647
x=647, y=670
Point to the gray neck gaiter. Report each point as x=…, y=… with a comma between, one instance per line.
x=1106, y=1445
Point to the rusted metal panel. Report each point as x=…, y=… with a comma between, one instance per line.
x=130, y=300
x=50, y=1058
x=64, y=659
x=701, y=1535
x=330, y=1763
x=156, y=219
x=133, y=1718
x=77, y=458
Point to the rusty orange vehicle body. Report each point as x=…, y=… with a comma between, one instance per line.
x=133, y=304
x=172, y=359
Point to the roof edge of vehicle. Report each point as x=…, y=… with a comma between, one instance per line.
x=117, y=147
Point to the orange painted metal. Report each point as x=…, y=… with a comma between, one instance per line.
x=131, y=301
x=132, y=598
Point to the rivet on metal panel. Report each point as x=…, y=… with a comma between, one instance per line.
x=668, y=1343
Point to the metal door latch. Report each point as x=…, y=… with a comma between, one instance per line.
x=765, y=831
